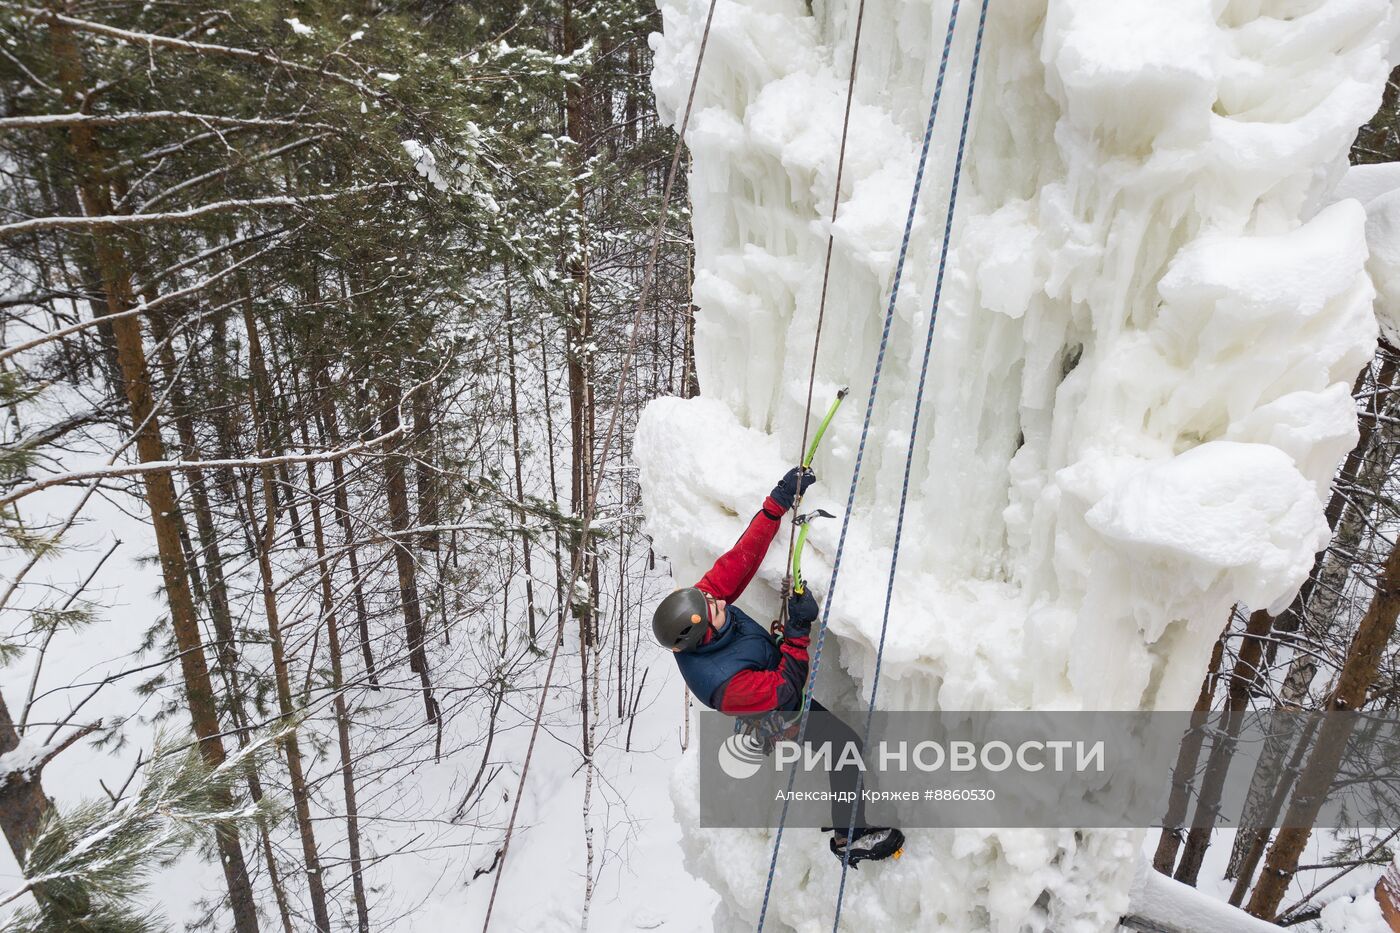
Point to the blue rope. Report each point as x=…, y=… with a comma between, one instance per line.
x=860, y=451
x=914, y=433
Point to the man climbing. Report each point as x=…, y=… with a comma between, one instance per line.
x=732, y=664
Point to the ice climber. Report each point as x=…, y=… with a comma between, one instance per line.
x=732, y=664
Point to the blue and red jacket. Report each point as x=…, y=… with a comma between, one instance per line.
x=741, y=669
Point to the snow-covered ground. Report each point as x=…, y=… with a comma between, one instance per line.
x=1140, y=381
x=126, y=600
x=1137, y=399
x=423, y=869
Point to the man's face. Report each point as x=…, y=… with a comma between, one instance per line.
x=715, y=607
x=717, y=616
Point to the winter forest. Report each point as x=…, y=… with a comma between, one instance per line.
x=372, y=369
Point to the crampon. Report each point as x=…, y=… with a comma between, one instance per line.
x=870, y=844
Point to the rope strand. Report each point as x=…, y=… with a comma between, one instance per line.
x=821, y=308
x=860, y=450
x=914, y=434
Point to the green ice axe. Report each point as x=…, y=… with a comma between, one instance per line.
x=821, y=428
x=804, y=521
x=804, y=524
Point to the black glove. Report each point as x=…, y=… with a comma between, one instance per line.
x=802, y=612
x=788, y=487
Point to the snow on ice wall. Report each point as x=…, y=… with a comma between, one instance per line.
x=1139, y=390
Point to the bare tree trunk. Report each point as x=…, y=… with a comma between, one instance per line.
x=23, y=804
x=399, y=520
x=1341, y=505
x=301, y=800
x=290, y=744
x=425, y=446
x=561, y=600
x=1223, y=745
x=690, y=378
x=590, y=777
x=1275, y=795
x=23, y=808
x=341, y=500
x=1316, y=609
x=1326, y=604
x=1388, y=895
x=1187, y=756
x=579, y=336
x=220, y=612
x=1358, y=672
x=519, y=479
x=342, y=714
x=632, y=108
x=159, y=487
x=274, y=878
x=685, y=718
x=218, y=605
x=216, y=594
x=280, y=433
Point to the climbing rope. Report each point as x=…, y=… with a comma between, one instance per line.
x=914, y=433
x=860, y=450
x=590, y=506
x=821, y=316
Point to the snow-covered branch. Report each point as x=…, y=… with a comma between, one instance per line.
x=26, y=761
x=47, y=121
x=122, y=168
x=197, y=180
x=146, y=220
x=15, y=299
x=166, y=466
x=151, y=40
x=210, y=253
x=139, y=309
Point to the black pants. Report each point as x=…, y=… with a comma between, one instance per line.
x=825, y=727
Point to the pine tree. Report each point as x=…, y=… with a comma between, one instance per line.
x=283, y=265
x=87, y=865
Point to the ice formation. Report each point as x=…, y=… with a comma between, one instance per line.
x=1139, y=390
x=1377, y=187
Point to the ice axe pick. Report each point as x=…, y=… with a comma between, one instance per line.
x=804, y=524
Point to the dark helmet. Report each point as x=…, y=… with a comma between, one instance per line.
x=680, y=620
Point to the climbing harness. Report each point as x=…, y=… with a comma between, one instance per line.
x=869, y=411
x=765, y=730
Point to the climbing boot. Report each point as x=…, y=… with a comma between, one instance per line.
x=870, y=844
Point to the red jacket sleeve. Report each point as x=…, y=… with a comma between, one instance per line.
x=736, y=567
x=760, y=691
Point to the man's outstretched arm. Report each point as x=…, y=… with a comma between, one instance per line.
x=735, y=568
x=732, y=573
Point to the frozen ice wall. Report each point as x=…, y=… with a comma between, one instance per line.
x=1139, y=389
